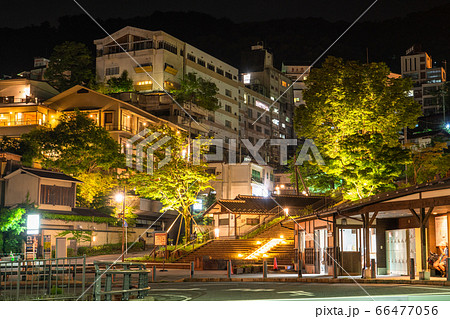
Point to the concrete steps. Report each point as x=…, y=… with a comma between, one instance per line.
x=238, y=249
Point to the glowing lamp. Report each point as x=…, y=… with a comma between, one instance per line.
x=119, y=197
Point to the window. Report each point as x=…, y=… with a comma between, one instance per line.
x=258, y=128
x=168, y=47
x=201, y=62
x=228, y=75
x=252, y=221
x=219, y=71
x=224, y=222
x=267, y=119
x=108, y=118
x=266, y=131
x=250, y=126
x=283, y=83
x=250, y=113
x=57, y=195
x=227, y=123
x=256, y=176
x=112, y=71
x=227, y=92
x=211, y=67
x=228, y=108
x=211, y=118
x=191, y=57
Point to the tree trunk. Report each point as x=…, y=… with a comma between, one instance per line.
x=187, y=226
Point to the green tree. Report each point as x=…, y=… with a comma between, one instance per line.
x=354, y=112
x=79, y=235
x=79, y=147
x=71, y=63
x=428, y=162
x=177, y=183
x=20, y=147
x=196, y=90
x=120, y=84
x=12, y=225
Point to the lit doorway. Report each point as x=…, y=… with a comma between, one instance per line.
x=320, y=243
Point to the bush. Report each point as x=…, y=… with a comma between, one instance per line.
x=106, y=249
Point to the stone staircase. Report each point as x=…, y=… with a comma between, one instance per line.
x=238, y=249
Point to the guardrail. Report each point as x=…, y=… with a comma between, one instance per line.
x=105, y=275
x=41, y=279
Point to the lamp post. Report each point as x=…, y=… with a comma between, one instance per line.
x=120, y=197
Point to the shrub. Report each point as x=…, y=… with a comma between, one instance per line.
x=106, y=249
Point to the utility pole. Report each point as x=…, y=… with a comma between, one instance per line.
x=123, y=225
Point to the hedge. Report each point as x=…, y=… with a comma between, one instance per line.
x=99, y=220
x=106, y=249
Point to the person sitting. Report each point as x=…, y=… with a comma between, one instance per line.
x=441, y=263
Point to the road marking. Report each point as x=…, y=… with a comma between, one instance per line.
x=296, y=293
x=250, y=290
x=374, y=296
x=178, y=289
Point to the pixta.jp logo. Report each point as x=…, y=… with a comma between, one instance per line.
x=153, y=141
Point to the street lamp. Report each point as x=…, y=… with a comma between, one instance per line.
x=120, y=198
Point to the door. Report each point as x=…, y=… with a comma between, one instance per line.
x=350, y=251
x=320, y=243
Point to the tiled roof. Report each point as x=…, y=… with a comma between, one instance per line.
x=49, y=174
x=267, y=205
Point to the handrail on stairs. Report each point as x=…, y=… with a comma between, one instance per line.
x=193, y=243
x=279, y=214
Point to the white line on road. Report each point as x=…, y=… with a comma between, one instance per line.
x=249, y=290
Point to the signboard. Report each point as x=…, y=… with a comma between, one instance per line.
x=441, y=229
x=160, y=239
x=47, y=246
x=247, y=78
x=33, y=224
x=31, y=247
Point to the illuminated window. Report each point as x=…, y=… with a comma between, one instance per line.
x=283, y=83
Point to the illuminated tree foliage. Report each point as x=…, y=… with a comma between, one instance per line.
x=120, y=84
x=354, y=113
x=12, y=225
x=79, y=147
x=428, y=163
x=198, y=91
x=176, y=184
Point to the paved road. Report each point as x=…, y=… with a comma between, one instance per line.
x=207, y=291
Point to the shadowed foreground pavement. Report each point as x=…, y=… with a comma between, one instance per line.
x=207, y=291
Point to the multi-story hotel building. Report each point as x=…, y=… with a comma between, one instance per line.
x=427, y=81
x=297, y=74
x=156, y=62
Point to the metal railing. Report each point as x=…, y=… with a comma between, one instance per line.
x=266, y=221
x=135, y=278
x=42, y=279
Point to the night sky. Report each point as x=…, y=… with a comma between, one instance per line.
x=22, y=13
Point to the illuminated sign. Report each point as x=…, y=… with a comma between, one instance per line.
x=275, y=121
x=247, y=78
x=261, y=105
x=160, y=239
x=33, y=224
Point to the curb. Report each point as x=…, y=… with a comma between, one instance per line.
x=320, y=280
